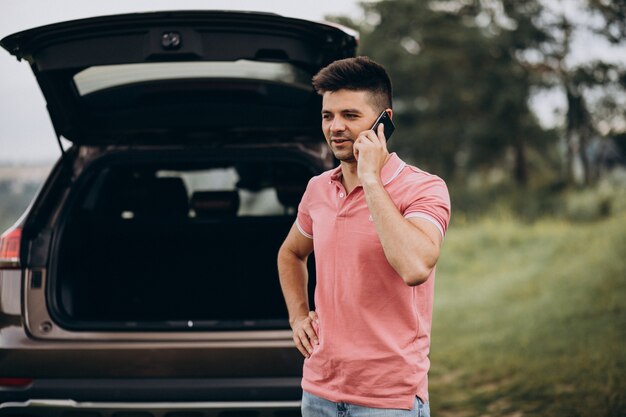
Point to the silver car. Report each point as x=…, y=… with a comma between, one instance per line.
x=142, y=279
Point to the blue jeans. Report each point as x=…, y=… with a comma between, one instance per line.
x=314, y=406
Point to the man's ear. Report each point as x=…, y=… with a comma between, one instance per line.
x=389, y=113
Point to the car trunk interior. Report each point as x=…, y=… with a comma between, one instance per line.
x=177, y=246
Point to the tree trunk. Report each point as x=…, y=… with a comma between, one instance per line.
x=577, y=133
x=520, y=170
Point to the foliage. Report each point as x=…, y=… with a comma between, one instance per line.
x=550, y=200
x=14, y=199
x=460, y=95
x=614, y=16
x=594, y=89
x=464, y=72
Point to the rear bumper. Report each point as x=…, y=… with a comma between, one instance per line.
x=151, y=390
x=66, y=408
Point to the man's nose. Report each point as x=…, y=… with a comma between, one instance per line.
x=337, y=125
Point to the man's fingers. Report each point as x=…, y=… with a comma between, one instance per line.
x=375, y=137
x=368, y=135
x=311, y=334
x=304, y=340
x=301, y=348
x=381, y=135
x=304, y=335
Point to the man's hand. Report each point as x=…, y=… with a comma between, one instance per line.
x=370, y=151
x=304, y=334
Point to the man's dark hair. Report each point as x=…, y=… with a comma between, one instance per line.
x=358, y=74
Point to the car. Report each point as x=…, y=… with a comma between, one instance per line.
x=142, y=278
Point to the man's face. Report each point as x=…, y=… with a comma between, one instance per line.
x=345, y=114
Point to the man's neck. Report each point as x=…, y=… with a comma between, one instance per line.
x=349, y=176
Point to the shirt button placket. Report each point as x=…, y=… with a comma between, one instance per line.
x=341, y=200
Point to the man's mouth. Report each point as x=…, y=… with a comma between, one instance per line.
x=340, y=140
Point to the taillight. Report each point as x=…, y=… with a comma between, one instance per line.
x=15, y=382
x=10, y=248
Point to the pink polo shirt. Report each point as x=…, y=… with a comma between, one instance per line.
x=374, y=330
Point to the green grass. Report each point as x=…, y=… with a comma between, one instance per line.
x=530, y=319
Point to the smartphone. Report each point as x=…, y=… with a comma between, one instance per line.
x=386, y=121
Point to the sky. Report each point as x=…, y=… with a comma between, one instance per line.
x=26, y=133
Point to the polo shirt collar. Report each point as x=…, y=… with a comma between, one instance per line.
x=392, y=168
x=390, y=171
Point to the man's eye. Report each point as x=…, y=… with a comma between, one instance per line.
x=351, y=116
x=326, y=116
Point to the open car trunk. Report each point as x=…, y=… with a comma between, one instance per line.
x=158, y=244
x=181, y=76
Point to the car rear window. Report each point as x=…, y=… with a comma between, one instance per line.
x=103, y=77
x=203, y=184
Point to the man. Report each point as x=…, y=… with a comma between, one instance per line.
x=376, y=225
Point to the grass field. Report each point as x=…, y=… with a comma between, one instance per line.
x=530, y=319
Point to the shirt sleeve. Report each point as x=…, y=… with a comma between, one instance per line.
x=430, y=200
x=304, y=223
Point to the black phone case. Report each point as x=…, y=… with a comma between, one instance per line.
x=386, y=121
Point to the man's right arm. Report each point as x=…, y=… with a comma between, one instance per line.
x=292, y=270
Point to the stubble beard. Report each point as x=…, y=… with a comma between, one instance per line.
x=346, y=154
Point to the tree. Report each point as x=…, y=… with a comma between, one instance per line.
x=461, y=95
x=464, y=71
x=581, y=83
